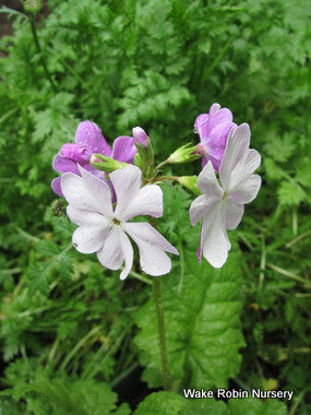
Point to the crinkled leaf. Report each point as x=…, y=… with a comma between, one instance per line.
x=170, y=403
x=202, y=315
x=290, y=194
x=256, y=407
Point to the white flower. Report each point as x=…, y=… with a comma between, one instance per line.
x=104, y=229
x=222, y=208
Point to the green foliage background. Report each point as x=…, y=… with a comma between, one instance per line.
x=72, y=334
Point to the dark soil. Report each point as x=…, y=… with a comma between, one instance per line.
x=6, y=21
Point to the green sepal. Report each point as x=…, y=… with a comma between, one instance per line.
x=190, y=182
x=107, y=164
x=144, y=159
x=184, y=154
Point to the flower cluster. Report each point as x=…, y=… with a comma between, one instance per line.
x=103, y=205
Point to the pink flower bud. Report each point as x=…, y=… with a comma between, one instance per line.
x=140, y=136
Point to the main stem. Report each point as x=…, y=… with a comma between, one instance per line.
x=161, y=330
x=39, y=50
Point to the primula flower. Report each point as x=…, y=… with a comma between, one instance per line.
x=213, y=129
x=106, y=229
x=90, y=140
x=222, y=207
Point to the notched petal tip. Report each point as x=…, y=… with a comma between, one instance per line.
x=243, y=129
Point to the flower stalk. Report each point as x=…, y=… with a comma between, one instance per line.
x=166, y=377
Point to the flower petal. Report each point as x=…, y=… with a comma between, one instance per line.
x=145, y=232
x=111, y=254
x=76, y=192
x=236, y=151
x=151, y=244
x=199, y=121
x=234, y=214
x=100, y=191
x=215, y=243
x=148, y=201
x=89, y=239
x=244, y=168
x=200, y=207
x=216, y=152
x=199, y=250
x=124, y=149
x=75, y=152
x=89, y=134
x=208, y=183
x=153, y=260
x=207, y=157
x=215, y=131
x=253, y=161
x=126, y=183
x=247, y=190
x=85, y=217
x=64, y=165
x=127, y=250
x=56, y=186
x=215, y=126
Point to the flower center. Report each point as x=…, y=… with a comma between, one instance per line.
x=116, y=221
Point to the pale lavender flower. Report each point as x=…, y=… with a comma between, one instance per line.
x=106, y=229
x=222, y=207
x=213, y=129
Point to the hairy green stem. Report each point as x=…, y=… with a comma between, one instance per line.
x=161, y=330
x=161, y=178
x=163, y=163
x=39, y=50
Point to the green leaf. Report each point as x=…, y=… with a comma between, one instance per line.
x=170, y=403
x=303, y=174
x=281, y=149
x=9, y=408
x=164, y=403
x=67, y=396
x=290, y=194
x=202, y=315
x=256, y=407
x=274, y=172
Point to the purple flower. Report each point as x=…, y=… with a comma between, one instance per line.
x=213, y=129
x=90, y=140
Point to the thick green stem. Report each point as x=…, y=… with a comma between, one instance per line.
x=161, y=330
x=39, y=50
